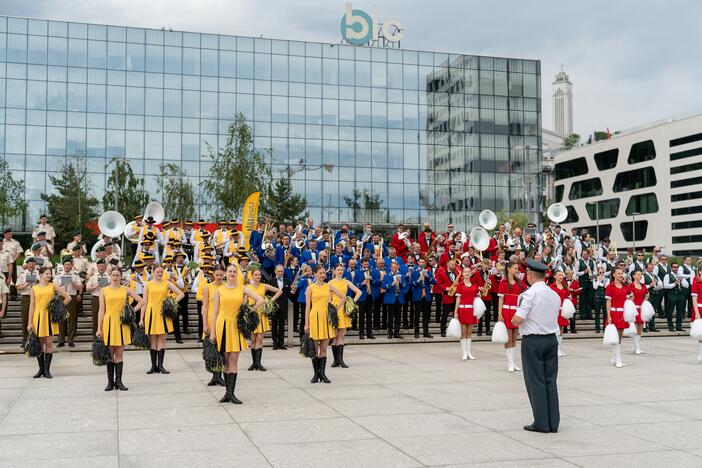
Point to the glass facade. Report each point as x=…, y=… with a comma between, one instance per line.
x=420, y=136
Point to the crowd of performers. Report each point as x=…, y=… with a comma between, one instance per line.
x=400, y=282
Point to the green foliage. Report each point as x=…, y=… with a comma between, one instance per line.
x=282, y=205
x=599, y=136
x=363, y=203
x=518, y=219
x=72, y=205
x=12, y=202
x=125, y=192
x=237, y=170
x=571, y=141
x=177, y=193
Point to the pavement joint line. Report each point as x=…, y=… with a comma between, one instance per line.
x=238, y=425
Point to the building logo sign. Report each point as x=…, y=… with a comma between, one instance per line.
x=360, y=28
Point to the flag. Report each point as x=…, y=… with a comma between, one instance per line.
x=249, y=216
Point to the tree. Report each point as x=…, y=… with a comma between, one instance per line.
x=12, y=202
x=237, y=170
x=73, y=205
x=125, y=192
x=518, y=218
x=571, y=141
x=282, y=205
x=599, y=136
x=177, y=193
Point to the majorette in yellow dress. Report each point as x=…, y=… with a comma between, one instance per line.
x=41, y=322
x=229, y=338
x=342, y=286
x=320, y=329
x=154, y=321
x=114, y=333
x=264, y=324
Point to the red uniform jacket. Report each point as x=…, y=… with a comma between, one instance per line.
x=444, y=283
x=425, y=242
x=400, y=247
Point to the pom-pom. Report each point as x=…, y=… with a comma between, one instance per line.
x=269, y=306
x=647, y=311
x=631, y=330
x=247, y=320
x=630, y=311
x=128, y=316
x=101, y=355
x=214, y=361
x=32, y=348
x=307, y=346
x=57, y=310
x=454, y=328
x=499, y=333
x=611, y=337
x=333, y=315
x=170, y=307
x=696, y=329
x=139, y=338
x=478, y=308
x=351, y=308
x=567, y=309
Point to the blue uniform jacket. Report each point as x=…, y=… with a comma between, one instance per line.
x=390, y=294
x=426, y=284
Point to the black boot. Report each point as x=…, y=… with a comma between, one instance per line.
x=341, y=357
x=219, y=380
x=253, y=360
x=40, y=360
x=154, y=368
x=161, y=354
x=315, y=366
x=335, y=353
x=118, y=377
x=47, y=365
x=229, y=393
x=322, y=366
x=213, y=380
x=259, y=366
x=110, y=377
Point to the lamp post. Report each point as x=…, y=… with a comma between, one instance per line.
x=525, y=154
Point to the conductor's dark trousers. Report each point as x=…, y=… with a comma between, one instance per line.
x=540, y=367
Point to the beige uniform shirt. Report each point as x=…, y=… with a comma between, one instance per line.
x=72, y=244
x=23, y=280
x=5, y=261
x=47, y=228
x=81, y=264
x=93, y=285
x=46, y=260
x=12, y=246
x=69, y=282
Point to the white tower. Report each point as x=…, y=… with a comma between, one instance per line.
x=562, y=104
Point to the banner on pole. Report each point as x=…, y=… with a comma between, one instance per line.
x=249, y=216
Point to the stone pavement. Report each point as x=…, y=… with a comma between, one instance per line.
x=397, y=405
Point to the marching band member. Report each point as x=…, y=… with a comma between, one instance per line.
x=264, y=325
x=204, y=277
x=563, y=292
x=96, y=281
x=574, y=290
x=655, y=293
x=401, y=241
x=674, y=298
x=365, y=303
x=71, y=284
x=426, y=239
x=445, y=278
x=183, y=281
x=171, y=275
x=392, y=286
x=152, y=320
x=14, y=248
x=487, y=289
x=339, y=257
x=585, y=272
x=301, y=290
x=282, y=251
x=343, y=285
x=36, y=252
x=138, y=277
x=113, y=333
x=280, y=315
x=508, y=292
x=422, y=281
x=317, y=299
x=292, y=275
x=435, y=289
x=638, y=293
x=686, y=274
x=25, y=281
x=407, y=307
x=696, y=314
x=600, y=284
x=77, y=241
x=380, y=311
x=44, y=227
x=208, y=312
x=616, y=294
x=224, y=328
x=310, y=254
x=465, y=293
x=40, y=320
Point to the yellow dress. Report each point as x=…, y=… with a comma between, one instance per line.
x=154, y=321
x=342, y=286
x=114, y=333
x=211, y=288
x=264, y=324
x=43, y=326
x=320, y=329
x=229, y=338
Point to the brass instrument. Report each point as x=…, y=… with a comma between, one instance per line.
x=613, y=248
x=378, y=254
x=367, y=277
x=459, y=277
x=296, y=278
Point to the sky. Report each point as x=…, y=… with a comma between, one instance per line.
x=630, y=62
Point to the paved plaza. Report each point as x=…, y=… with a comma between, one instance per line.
x=397, y=405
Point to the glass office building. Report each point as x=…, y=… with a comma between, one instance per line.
x=370, y=134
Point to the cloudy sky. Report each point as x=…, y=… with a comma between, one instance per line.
x=631, y=62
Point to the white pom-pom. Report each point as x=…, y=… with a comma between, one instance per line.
x=454, y=328
x=630, y=311
x=631, y=331
x=647, y=311
x=611, y=337
x=568, y=309
x=696, y=329
x=499, y=333
x=478, y=308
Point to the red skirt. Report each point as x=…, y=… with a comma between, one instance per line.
x=561, y=321
x=465, y=315
x=617, y=318
x=638, y=314
x=507, y=315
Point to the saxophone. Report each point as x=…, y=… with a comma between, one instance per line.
x=296, y=278
x=367, y=277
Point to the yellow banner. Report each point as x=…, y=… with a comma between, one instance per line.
x=249, y=216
